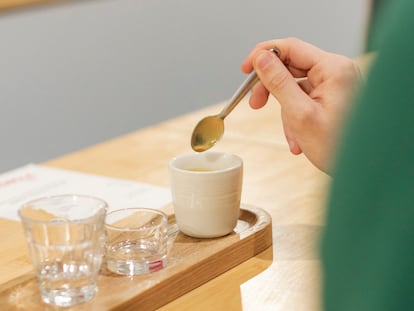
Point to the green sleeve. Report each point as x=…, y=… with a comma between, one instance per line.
x=368, y=243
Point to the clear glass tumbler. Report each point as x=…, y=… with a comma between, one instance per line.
x=66, y=238
x=136, y=240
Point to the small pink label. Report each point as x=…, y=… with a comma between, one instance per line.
x=156, y=265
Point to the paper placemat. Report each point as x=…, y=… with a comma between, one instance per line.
x=33, y=181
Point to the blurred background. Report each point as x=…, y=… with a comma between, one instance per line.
x=75, y=73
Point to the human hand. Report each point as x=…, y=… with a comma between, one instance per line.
x=313, y=108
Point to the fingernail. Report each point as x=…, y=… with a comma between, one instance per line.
x=263, y=59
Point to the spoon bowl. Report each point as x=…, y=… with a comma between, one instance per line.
x=207, y=132
x=210, y=129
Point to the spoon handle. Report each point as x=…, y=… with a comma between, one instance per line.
x=243, y=89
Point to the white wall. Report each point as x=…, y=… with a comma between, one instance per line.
x=76, y=74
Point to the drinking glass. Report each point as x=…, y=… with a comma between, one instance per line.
x=65, y=236
x=136, y=240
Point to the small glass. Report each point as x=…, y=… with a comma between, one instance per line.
x=136, y=241
x=65, y=236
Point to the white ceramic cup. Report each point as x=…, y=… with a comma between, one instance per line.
x=206, y=191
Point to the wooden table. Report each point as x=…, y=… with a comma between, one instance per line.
x=18, y=4
x=284, y=277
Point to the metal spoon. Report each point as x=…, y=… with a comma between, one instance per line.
x=210, y=129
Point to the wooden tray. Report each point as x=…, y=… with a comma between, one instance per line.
x=191, y=262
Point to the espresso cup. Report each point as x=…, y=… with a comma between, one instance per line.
x=206, y=192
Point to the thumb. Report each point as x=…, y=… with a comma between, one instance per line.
x=278, y=80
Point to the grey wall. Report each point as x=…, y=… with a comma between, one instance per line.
x=76, y=74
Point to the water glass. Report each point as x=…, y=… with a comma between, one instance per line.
x=65, y=236
x=136, y=241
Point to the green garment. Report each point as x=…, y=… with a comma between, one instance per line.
x=368, y=243
x=379, y=9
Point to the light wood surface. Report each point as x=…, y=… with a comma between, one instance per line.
x=283, y=277
x=191, y=262
x=19, y=4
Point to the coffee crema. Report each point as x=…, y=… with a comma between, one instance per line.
x=199, y=169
